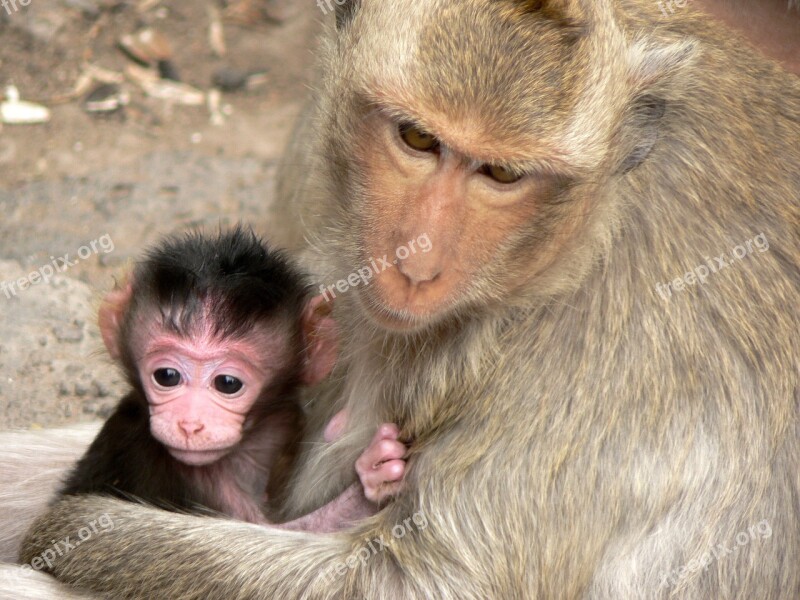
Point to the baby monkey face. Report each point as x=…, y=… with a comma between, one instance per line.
x=200, y=391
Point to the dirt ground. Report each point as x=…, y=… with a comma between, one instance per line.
x=100, y=187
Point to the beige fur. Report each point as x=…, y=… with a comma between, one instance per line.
x=576, y=435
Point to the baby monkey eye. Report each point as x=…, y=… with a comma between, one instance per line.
x=500, y=174
x=417, y=139
x=227, y=384
x=167, y=378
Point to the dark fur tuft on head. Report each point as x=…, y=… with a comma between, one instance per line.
x=566, y=15
x=235, y=278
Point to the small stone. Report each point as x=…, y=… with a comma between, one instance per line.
x=146, y=46
x=68, y=334
x=100, y=389
x=229, y=79
x=105, y=98
x=168, y=70
x=18, y=112
x=105, y=411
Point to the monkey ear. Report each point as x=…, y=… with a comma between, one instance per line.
x=654, y=71
x=112, y=312
x=321, y=340
x=345, y=11
x=646, y=120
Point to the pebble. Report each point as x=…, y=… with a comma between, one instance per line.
x=229, y=79
x=100, y=389
x=105, y=98
x=68, y=334
x=14, y=111
x=105, y=411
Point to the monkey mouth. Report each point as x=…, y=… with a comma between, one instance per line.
x=393, y=319
x=197, y=458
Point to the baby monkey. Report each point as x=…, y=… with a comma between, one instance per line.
x=216, y=337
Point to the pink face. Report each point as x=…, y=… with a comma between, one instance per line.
x=200, y=391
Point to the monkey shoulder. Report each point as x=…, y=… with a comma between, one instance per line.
x=125, y=461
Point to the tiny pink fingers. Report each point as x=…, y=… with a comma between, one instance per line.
x=381, y=467
x=388, y=472
x=386, y=482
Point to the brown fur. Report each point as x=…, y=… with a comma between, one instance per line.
x=575, y=435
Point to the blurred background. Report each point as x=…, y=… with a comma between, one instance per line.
x=121, y=121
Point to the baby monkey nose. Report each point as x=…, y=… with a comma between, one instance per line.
x=190, y=428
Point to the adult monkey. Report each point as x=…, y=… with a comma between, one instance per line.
x=528, y=355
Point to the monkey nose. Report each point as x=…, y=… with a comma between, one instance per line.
x=418, y=274
x=190, y=428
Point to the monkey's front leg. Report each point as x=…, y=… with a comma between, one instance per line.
x=380, y=467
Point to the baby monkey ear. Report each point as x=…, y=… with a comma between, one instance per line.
x=111, y=314
x=321, y=337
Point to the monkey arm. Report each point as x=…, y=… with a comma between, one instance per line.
x=349, y=507
x=403, y=552
x=381, y=468
x=150, y=553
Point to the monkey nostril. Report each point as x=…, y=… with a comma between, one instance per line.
x=191, y=428
x=417, y=275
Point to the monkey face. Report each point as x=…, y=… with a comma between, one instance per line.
x=504, y=154
x=200, y=392
x=489, y=224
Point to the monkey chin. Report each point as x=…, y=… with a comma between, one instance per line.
x=197, y=458
x=398, y=320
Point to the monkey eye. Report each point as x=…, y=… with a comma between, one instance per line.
x=227, y=384
x=500, y=174
x=167, y=378
x=417, y=139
